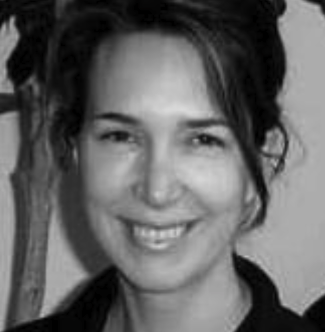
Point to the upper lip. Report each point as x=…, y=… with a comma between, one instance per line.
x=158, y=223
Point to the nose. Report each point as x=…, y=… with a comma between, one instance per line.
x=158, y=185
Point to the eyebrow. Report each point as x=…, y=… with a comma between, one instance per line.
x=206, y=123
x=190, y=123
x=117, y=117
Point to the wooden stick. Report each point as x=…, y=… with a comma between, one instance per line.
x=33, y=183
x=33, y=187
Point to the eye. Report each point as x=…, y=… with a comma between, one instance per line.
x=118, y=136
x=207, y=140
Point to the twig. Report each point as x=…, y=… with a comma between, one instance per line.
x=33, y=186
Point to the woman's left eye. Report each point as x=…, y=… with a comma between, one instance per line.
x=207, y=140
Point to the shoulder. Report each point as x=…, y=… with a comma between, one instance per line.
x=316, y=313
x=47, y=324
x=268, y=314
x=86, y=313
x=289, y=321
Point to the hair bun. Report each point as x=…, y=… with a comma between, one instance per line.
x=279, y=6
x=320, y=3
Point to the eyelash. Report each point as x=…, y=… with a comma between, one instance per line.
x=197, y=140
x=207, y=140
x=118, y=136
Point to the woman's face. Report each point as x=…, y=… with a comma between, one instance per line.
x=164, y=181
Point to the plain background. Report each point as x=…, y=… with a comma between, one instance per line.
x=290, y=247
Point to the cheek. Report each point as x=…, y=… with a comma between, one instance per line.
x=218, y=184
x=104, y=177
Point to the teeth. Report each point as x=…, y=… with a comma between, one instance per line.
x=153, y=234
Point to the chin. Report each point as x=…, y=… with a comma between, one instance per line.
x=156, y=282
x=162, y=277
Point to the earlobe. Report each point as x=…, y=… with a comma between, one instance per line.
x=251, y=207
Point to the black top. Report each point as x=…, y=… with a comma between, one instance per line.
x=316, y=313
x=89, y=312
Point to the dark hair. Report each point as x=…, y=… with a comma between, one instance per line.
x=320, y=3
x=239, y=44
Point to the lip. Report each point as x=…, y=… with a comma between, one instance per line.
x=158, y=224
x=158, y=237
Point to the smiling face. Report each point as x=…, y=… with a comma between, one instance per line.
x=164, y=181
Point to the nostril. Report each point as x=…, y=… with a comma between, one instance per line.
x=157, y=184
x=158, y=192
x=152, y=194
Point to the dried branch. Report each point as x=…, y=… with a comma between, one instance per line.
x=33, y=182
x=34, y=178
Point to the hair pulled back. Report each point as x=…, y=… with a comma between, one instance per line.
x=242, y=53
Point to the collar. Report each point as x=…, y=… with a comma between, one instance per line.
x=89, y=312
x=266, y=307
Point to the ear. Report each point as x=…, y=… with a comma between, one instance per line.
x=251, y=207
x=272, y=147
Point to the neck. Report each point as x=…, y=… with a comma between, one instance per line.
x=217, y=302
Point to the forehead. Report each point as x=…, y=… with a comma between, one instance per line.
x=148, y=69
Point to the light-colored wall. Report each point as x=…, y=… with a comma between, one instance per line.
x=290, y=246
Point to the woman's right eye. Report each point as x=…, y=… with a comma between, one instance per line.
x=118, y=136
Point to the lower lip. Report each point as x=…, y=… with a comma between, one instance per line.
x=159, y=239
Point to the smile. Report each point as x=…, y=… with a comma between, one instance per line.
x=158, y=237
x=153, y=234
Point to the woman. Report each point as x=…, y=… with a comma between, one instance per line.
x=167, y=109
